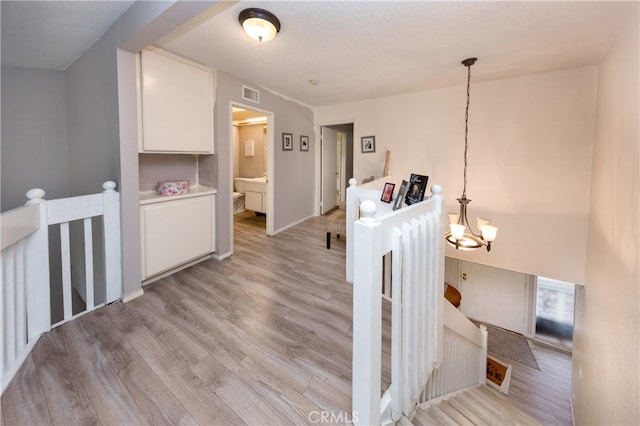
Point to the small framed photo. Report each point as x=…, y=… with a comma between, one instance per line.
x=417, y=188
x=387, y=192
x=304, y=143
x=402, y=192
x=368, y=144
x=287, y=142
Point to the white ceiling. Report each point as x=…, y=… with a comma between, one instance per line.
x=356, y=49
x=368, y=49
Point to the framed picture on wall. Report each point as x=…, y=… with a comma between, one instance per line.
x=287, y=142
x=304, y=143
x=368, y=144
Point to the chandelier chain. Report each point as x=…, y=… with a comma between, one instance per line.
x=466, y=131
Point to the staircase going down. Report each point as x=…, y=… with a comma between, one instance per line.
x=480, y=405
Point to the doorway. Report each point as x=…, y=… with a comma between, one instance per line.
x=251, y=164
x=555, y=311
x=336, y=158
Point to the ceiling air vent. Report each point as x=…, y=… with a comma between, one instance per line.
x=250, y=94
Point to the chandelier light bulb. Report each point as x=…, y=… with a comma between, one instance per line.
x=457, y=231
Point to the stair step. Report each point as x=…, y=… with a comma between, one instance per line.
x=424, y=418
x=474, y=418
x=450, y=410
x=481, y=406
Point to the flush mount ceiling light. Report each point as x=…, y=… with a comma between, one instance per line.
x=259, y=24
x=461, y=236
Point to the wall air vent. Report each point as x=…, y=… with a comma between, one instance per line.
x=250, y=94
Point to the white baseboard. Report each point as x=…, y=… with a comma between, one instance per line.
x=222, y=256
x=8, y=376
x=176, y=269
x=130, y=297
x=291, y=225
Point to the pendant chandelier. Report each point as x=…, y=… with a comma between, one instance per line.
x=461, y=235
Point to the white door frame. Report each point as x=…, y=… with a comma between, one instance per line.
x=270, y=152
x=319, y=156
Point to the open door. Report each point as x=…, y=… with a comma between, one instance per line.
x=328, y=146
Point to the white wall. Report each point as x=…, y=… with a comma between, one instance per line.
x=606, y=338
x=491, y=295
x=530, y=152
x=34, y=135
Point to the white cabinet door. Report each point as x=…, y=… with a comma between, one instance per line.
x=175, y=232
x=253, y=201
x=177, y=104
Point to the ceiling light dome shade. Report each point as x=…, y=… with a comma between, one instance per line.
x=259, y=24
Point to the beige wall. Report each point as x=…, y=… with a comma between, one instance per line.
x=606, y=340
x=530, y=147
x=251, y=166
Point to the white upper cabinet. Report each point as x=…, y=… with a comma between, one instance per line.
x=177, y=98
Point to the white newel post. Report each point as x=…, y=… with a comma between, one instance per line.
x=367, y=313
x=483, y=357
x=352, y=205
x=436, y=191
x=112, y=248
x=37, y=275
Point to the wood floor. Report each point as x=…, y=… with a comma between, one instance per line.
x=261, y=338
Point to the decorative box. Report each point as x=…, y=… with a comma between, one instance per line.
x=172, y=187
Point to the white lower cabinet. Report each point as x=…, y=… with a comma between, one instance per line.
x=255, y=197
x=176, y=232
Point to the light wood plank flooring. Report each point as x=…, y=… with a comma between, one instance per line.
x=261, y=338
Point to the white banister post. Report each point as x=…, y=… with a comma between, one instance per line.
x=37, y=274
x=367, y=321
x=483, y=359
x=436, y=191
x=352, y=204
x=112, y=248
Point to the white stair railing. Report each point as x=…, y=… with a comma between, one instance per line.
x=435, y=349
x=413, y=236
x=24, y=262
x=464, y=361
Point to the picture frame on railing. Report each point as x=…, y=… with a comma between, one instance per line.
x=304, y=143
x=368, y=144
x=402, y=192
x=387, y=192
x=417, y=188
x=287, y=142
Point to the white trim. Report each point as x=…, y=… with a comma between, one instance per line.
x=78, y=315
x=130, y=297
x=176, y=269
x=291, y=225
x=270, y=153
x=8, y=376
x=222, y=256
x=318, y=154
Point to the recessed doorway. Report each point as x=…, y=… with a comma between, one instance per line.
x=336, y=165
x=252, y=160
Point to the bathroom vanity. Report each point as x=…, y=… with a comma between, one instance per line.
x=255, y=193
